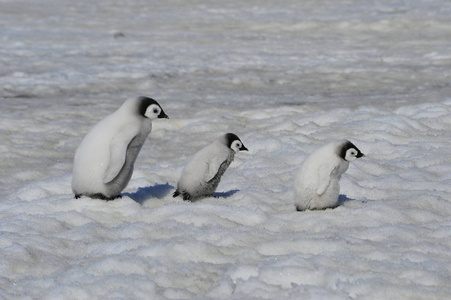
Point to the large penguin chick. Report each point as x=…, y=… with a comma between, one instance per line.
x=104, y=160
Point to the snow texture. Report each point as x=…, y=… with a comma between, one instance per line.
x=286, y=77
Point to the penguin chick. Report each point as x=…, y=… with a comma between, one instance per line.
x=201, y=176
x=316, y=184
x=104, y=161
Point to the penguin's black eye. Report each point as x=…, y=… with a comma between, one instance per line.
x=155, y=111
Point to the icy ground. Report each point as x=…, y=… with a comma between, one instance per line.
x=287, y=77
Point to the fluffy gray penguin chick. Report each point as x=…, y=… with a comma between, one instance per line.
x=317, y=182
x=104, y=161
x=201, y=176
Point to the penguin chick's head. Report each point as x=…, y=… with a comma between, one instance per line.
x=149, y=108
x=234, y=143
x=349, y=151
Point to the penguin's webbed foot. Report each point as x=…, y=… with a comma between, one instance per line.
x=98, y=196
x=186, y=196
x=298, y=208
x=103, y=197
x=112, y=198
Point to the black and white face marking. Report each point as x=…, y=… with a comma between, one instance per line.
x=350, y=152
x=234, y=143
x=149, y=108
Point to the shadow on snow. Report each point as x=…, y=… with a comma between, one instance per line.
x=225, y=194
x=342, y=199
x=158, y=191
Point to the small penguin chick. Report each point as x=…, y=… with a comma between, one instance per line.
x=104, y=160
x=202, y=175
x=317, y=182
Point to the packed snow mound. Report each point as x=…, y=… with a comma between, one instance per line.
x=391, y=231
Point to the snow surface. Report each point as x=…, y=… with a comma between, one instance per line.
x=285, y=76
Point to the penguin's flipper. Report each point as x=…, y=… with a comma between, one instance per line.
x=118, y=151
x=324, y=173
x=214, y=166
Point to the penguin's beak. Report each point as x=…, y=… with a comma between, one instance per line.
x=360, y=155
x=162, y=115
x=243, y=148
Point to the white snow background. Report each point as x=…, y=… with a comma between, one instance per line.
x=286, y=77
